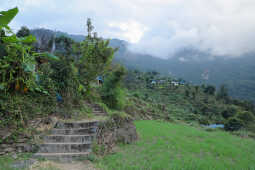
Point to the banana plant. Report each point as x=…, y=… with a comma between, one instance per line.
x=6, y=17
x=17, y=63
x=17, y=60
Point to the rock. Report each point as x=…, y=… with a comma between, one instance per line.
x=7, y=135
x=127, y=133
x=54, y=120
x=23, y=164
x=22, y=140
x=9, y=149
x=109, y=134
x=4, y=146
x=23, y=147
x=14, y=156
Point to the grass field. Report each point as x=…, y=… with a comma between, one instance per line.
x=7, y=160
x=163, y=146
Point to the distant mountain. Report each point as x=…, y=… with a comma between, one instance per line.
x=41, y=32
x=190, y=64
x=198, y=68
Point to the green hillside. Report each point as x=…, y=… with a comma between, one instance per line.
x=236, y=73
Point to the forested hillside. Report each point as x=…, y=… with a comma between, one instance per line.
x=189, y=64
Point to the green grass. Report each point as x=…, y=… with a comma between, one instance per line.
x=162, y=145
x=7, y=160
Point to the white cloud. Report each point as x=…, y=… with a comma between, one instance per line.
x=182, y=59
x=130, y=30
x=158, y=27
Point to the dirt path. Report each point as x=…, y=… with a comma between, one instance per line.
x=83, y=165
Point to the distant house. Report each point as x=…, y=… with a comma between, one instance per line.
x=175, y=83
x=99, y=80
x=153, y=82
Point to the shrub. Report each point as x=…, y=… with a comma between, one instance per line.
x=96, y=57
x=113, y=95
x=204, y=121
x=246, y=117
x=229, y=112
x=233, y=124
x=137, y=95
x=64, y=75
x=23, y=32
x=210, y=90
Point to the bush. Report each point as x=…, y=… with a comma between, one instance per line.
x=23, y=32
x=233, y=124
x=246, y=117
x=204, y=121
x=229, y=112
x=210, y=90
x=113, y=95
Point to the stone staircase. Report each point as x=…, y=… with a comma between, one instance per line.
x=97, y=110
x=68, y=141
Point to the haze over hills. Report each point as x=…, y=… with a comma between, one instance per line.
x=190, y=64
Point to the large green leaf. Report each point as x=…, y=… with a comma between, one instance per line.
x=10, y=39
x=28, y=39
x=7, y=16
x=28, y=67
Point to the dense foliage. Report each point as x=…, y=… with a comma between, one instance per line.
x=113, y=93
x=96, y=57
x=46, y=75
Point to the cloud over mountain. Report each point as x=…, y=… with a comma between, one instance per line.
x=157, y=27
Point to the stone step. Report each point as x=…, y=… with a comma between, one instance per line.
x=96, y=111
x=75, y=125
x=99, y=113
x=68, y=138
x=62, y=157
x=97, y=108
x=64, y=147
x=78, y=131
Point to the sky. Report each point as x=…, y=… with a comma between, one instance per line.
x=156, y=27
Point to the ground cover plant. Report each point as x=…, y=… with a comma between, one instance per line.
x=164, y=145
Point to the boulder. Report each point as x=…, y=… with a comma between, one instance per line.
x=23, y=147
x=127, y=133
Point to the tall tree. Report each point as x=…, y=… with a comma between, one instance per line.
x=23, y=32
x=96, y=56
x=223, y=92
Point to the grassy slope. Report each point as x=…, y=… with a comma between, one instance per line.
x=173, y=146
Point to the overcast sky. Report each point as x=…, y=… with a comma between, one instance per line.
x=157, y=27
